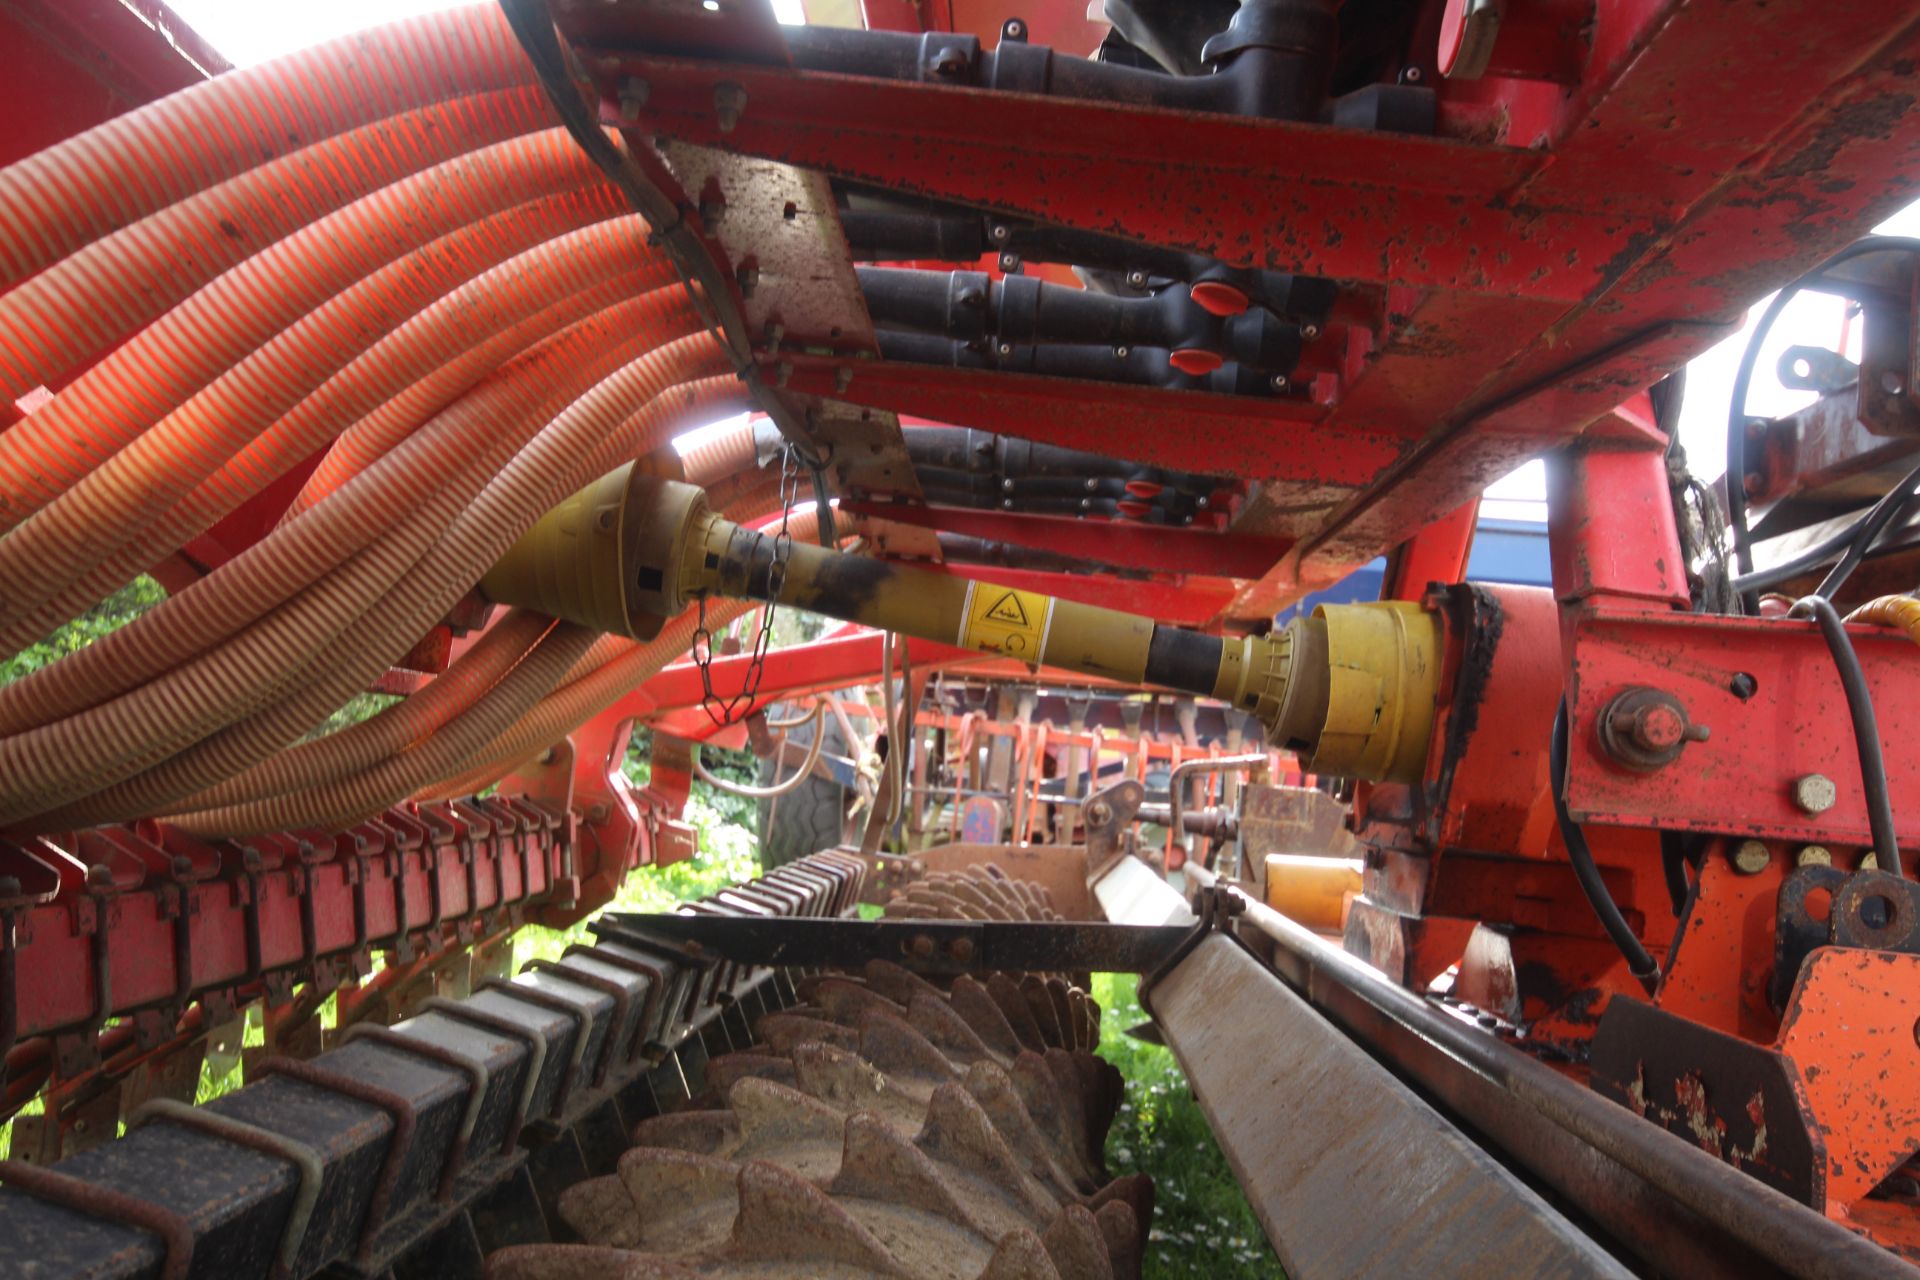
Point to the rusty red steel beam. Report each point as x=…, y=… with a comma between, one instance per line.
x=1423, y=212
x=1125, y=544
x=1278, y=439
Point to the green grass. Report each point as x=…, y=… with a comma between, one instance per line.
x=1202, y=1225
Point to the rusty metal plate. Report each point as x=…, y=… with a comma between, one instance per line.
x=1362, y=1178
x=780, y=224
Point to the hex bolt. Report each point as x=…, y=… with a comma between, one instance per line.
x=1814, y=855
x=999, y=232
x=1751, y=857
x=1014, y=29
x=1099, y=813
x=1815, y=793
x=1010, y=263
x=633, y=96
x=729, y=100
x=1136, y=279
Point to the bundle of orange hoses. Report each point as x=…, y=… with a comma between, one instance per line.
x=435, y=302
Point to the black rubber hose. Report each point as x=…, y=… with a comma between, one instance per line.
x=1639, y=960
x=1866, y=729
x=1735, y=485
x=1856, y=540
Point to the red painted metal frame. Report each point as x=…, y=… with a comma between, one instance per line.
x=1557, y=252
x=74, y=63
x=1740, y=781
x=1125, y=544
x=300, y=907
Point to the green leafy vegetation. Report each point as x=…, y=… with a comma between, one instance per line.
x=116, y=611
x=1202, y=1225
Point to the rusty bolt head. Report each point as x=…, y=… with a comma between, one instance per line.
x=1751, y=857
x=1815, y=793
x=921, y=947
x=729, y=100
x=1814, y=855
x=1645, y=728
x=961, y=949
x=633, y=96
x=1099, y=813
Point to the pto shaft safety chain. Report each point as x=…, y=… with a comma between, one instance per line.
x=726, y=711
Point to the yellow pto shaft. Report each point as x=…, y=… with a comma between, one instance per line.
x=1350, y=689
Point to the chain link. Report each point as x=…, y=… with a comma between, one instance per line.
x=726, y=711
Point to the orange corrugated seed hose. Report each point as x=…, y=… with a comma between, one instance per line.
x=295, y=554
x=118, y=172
x=342, y=803
x=144, y=731
x=156, y=372
x=1900, y=613
x=726, y=454
x=559, y=460
x=51, y=323
x=403, y=725
x=112, y=505
x=308, y=426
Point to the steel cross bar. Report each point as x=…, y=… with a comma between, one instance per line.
x=923, y=946
x=1127, y=544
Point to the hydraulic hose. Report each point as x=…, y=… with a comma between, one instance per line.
x=309, y=681
x=339, y=804
x=116, y=173
x=103, y=293
x=160, y=369
x=296, y=553
x=558, y=460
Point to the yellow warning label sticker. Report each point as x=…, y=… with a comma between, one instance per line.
x=1004, y=620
